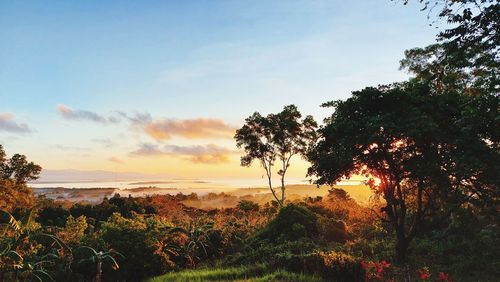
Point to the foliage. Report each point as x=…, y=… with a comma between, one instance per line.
x=293, y=222
x=26, y=251
x=98, y=258
x=52, y=214
x=74, y=231
x=275, y=137
x=138, y=239
x=14, y=173
x=196, y=242
x=125, y=206
x=414, y=144
x=248, y=206
x=243, y=273
x=466, y=55
x=17, y=168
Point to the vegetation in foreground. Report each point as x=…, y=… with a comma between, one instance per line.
x=430, y=147
x=252, y=273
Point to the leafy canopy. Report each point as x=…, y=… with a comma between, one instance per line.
x=466, y=55
x=431, y=153
x=275, y=137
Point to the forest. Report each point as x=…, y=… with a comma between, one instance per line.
x=429, y=147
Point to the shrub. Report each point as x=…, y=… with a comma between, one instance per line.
x=341, y=267
x=143, y=244
x=332, y=230
x=292, y=223
x=247, y=206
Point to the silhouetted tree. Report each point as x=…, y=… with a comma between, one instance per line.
x=466, y=55
x=431, y=153
x=275, y=137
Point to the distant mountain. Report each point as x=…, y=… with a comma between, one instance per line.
x=71, y=175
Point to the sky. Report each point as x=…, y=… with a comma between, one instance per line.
x=161, y=86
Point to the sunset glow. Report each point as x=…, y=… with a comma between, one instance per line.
x=102, y=93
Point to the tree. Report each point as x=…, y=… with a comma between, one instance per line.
x=430, y=153
x=18, y=168
x=466, y=55
x=74, y=230
x=14, y=173
x=275, y=137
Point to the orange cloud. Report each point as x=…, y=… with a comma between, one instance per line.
x=204, y=154
x=164, y=129
x=189, y=128
x=116, y=160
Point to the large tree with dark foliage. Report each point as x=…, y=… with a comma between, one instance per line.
x=275, y=137
x=466, y=56
x=431, y=153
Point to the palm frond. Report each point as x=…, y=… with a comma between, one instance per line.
x=12, y=222
x=113, y=261
x=45, y=273
x=94, y=252
x=112, y=251
x=178, y=230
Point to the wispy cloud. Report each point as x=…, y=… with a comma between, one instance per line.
x=7, y=123
x=70, y=148
x=116, y=160
x=137, y=118
x=68, y=113
x=199, y=128
x=105, y=142
x=204, y=154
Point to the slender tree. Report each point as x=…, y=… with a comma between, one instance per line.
x=276, y=137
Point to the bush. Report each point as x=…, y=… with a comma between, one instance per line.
x=332, y=230
x=333, y=266
x=142, y=242
x=247, y=206
x=293, y=222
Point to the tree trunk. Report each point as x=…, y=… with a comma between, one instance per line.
x=401, y=246
x=283, y=189
x=99, y=271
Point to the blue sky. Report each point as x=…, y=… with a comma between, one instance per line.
x=182, y=63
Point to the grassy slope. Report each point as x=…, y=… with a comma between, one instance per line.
x=257, y=273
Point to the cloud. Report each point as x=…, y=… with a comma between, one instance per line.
x=189, y=128
x=70, y=148
x=8, y=124
x=164, y=129
x=116, y=160
x=137, y=118
x=105, y=142
x=148, y=150
x=68, y=113
x=204, y=154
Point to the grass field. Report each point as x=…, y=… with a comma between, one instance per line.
x=258, y=273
